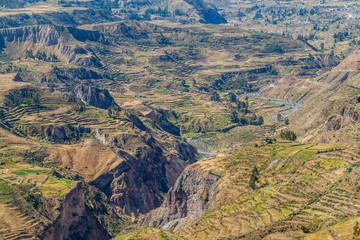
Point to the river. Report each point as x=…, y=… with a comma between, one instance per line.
x=294, y=106
x=204, y=154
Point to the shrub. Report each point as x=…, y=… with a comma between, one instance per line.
x=215, y=97
x=2, y=115
x=232, y=97
x=305, y=229
x=269, y=140
x=234, y=117
x=254, y=177
x=28, y=95
x=288, y=134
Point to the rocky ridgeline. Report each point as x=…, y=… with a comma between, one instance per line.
x=159, y=117
x=47, y=36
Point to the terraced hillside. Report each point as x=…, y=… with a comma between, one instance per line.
x=302, y=188
x=168, y=119
x=33, y=194
x=162, y=66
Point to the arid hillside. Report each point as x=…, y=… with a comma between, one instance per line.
x=194, y=119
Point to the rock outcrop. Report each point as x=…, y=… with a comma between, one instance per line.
x=83, y=73
x=62, y=76
x=193, y=193
x=333, y=123
x=96, y=97
x=45, y=35
x=324, y=60
x=349, y=113
x=195, y=10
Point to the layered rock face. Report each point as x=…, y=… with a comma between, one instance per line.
x=45, y=35
x=83, y=73
x=63, y=76
x=53, y=39
x=193, y=193
x=100, y=98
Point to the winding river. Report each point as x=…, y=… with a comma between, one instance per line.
x=294, y=107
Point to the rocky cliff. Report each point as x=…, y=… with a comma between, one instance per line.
x=324, y=60
x=212, y=199
x=63, y=77
x=207, y=12
x=62, y=42
x=195, y=10
x=136, y=185
x=45, y=35
x=193, y=193
x=96, y=97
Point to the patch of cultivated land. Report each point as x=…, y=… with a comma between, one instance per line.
x=229, y=89
x=24, y=181
x=302, y=188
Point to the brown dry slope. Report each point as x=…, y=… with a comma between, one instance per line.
x=331, y=102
